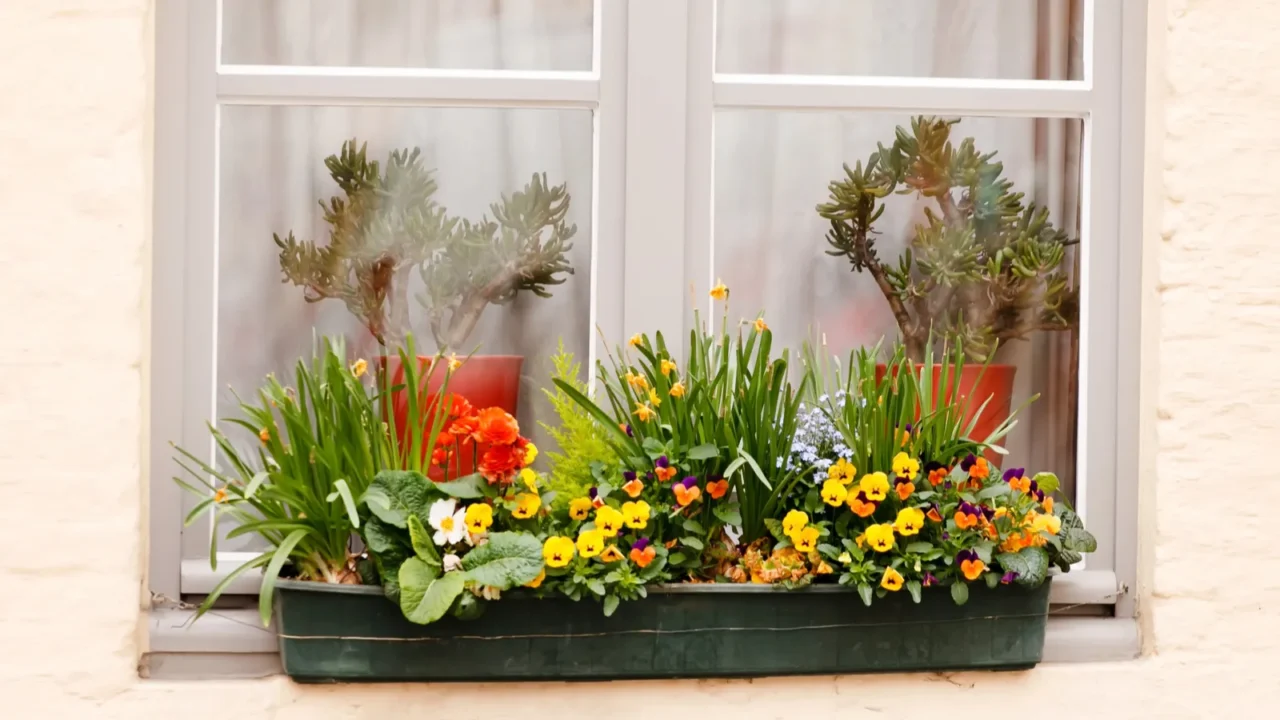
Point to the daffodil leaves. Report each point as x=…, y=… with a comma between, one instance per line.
x=1031, y=564
x=394, y=495
x=507, y=560
x=425, y=595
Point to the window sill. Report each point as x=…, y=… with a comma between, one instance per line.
x=231, y=644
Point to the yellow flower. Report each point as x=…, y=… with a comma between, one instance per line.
x=880, y=537
x=635, y=514
x=479, y=518
x=580, y=508
x=654, y=399
x=875, y=486
x=759, y=325
x=834, y=492
x=264, y=435
x=557, y=551
x=608, y=521
x=842, y=471
x=530, y=479
x=806, y=540
x=909, y=521
x=1046, y=523
x=719, y=292
x=530, y=454
x=645, y=413
x=359, y=367
x=636, y=340
x=845, y=558
x=454, y=362
x=526, y=505
x=611, y=554
x=892, y=580
x=677, y=390
x=537, y=581
x=794, y=522
x=590, y=543
x=667, y=367
x=636, y=381
x=220, y=496
x=905, y=466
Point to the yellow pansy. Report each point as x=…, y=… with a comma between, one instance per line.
x=530, y=454
x=834, y=493
x=875, y=486
x=677, y=390
x=608, y=521
x=794, y=522
x=806, y=540
x=526, y=505
x=909, y=521
x=635, y=514
x=892, y=580
x=880, y=537
x=905, y=466
x=667, y=367
x=580, y=508
x=842, y=471
x=479, y=518
x=1047, y=523
x=590, y=543
x=557, y=551
x=538, y=580
x=530, y=479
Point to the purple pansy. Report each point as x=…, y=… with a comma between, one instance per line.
x=1014, y=473
x=662, y=462
x=640, y=544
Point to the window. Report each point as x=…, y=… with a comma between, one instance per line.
x=694, y=140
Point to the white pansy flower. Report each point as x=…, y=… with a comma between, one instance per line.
x=449, y=521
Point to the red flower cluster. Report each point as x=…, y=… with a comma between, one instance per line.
x=491, y=434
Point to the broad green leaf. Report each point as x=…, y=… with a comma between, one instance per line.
x=913, y=587
x=381, y=538
x=420, y=538
x=992, y=579
x=983, y=549
x=692, y=542
x=813, y=502
x=728, y=514
x=704, y=452
x=774, y=526
x=675, y=558
x=596, y=586
x=425, y=595
x=1013, y=562
x=993, y=492
x=507, y=560
x=864, y=591
x=611, y=604
x=471, y=487
x=693, y=526
x=1067, y=558
x=394, y=495
x=1080, y=540
x=1047, y=482
x=654, y=447
x=960, y=592
x=919, y=547
x=1037, y=564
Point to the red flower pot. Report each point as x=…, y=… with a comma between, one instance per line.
x=484, y=380
x=976, y=385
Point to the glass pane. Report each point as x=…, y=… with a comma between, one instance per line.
x=273, y=174
x=773, y=169
x=1009, y=39
x=462, y=34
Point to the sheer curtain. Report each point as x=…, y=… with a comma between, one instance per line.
x=771, y=169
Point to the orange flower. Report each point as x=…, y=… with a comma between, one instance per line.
x=980, y=470
x=220, y=496
x=717, y=489
x=719, y=292
x=677, y=390
x=972, y=569
x=964, y=520
x=934, y=515
x=537, y=581
x=642, y=553
x=665, y=473
x=759, y=325
x=633, y=488
x=937, y=475
x=611, y=554
x=905, y=489
x=264, y=435
x=1048, y=504
x=499, y=463
x=1021, y=484
x=686, y=494
x=860, y=505
x=1014, y=543
x=495, y=426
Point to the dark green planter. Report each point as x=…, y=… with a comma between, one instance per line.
x=336, y=633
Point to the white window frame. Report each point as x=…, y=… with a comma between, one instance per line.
x=654, y=93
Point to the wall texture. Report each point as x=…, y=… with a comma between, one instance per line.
x=74, y=200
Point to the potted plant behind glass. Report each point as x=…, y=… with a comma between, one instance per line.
x=386, y=226
x=984, y=268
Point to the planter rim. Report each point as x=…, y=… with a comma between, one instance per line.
x=664, y=589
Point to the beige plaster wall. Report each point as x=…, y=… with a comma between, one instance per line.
x=76, y=83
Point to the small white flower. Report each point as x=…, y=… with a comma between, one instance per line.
x=452, y=562
x=449, y=521
x=488, y=592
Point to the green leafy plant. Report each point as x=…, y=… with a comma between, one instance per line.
x=583, y=450
x=320, y=445
x=387, y=225
x=985, y=267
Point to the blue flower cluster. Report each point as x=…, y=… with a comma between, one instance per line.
x=817, y=442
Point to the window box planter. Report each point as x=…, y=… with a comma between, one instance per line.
x=345, y=633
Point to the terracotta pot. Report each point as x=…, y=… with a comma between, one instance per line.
x=996, y=383
x=484, y=380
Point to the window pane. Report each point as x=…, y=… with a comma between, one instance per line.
x=770, y=246
x=1010, y=39
x=462, y=34
x=273, y=174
